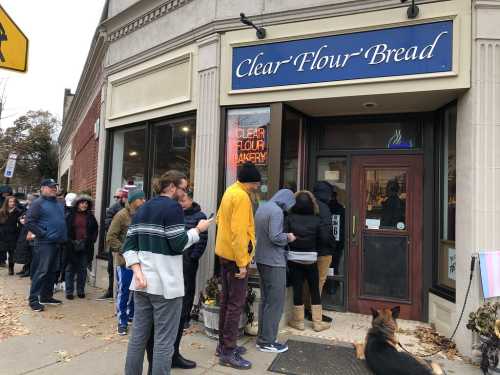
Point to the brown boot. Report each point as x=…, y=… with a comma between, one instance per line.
x=318, y=324
x=297, y=320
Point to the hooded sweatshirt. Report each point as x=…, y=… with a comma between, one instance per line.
x=271, y=239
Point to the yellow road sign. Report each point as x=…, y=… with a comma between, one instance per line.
x=13, y=44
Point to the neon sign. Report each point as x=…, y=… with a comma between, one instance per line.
x=251, y=146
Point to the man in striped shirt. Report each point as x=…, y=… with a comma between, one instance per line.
x=153, y=250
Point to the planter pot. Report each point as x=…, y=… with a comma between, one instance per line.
x=252, y=329
x=211, y=321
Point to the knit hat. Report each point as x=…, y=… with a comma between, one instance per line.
x=136, y=194
x=249, y=173
x=70, y=197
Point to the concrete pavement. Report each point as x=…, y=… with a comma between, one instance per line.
x=79, y=337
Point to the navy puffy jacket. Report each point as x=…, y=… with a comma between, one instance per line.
x=45, y=219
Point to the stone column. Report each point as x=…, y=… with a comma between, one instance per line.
x=478, y=160
x=207, y=144
x=99, y=275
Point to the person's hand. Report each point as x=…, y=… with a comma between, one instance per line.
x=291, y=237
x=203, y=225
x=242, y=274
x=139, y=278
x=30, y=236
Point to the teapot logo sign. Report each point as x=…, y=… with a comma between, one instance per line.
x=13, y=44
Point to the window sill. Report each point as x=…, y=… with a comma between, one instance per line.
x=446, y=293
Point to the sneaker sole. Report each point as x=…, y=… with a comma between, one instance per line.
x=50, y=303
x=275, y=351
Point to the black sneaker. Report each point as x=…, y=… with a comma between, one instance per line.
x=50, y=301
x=122, y=330
x=37, y=306
x=81, y=295
x=70, y=296
x=106, y=296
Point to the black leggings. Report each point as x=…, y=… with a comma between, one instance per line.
x=304, y=272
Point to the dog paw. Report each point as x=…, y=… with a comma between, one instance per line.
x=360, y=350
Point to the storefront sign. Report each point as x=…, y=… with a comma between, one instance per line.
x=407, y=50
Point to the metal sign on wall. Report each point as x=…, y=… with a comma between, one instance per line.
x=398, y=51
x=13, y=44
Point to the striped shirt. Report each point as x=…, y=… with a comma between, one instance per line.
x=156, y=239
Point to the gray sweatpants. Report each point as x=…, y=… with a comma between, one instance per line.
x=165, y=314
x=272, y=290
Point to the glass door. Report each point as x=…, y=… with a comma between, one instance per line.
x=385, y=261
x=334, y=171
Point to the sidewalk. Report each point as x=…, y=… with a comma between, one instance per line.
x=80, y=337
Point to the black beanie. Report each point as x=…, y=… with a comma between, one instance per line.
x=249, y=173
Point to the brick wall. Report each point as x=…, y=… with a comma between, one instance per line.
x=85, y=146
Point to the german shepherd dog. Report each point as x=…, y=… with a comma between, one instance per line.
x=380, y=349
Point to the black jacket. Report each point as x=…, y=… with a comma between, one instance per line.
x=92, y=226
x=323, y=193
x=111, y=212
x=9, y=230
x=307, y=230
x=22, y=254
x=192, y=217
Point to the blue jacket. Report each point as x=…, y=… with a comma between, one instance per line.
x=45, y=219
x=192, y=217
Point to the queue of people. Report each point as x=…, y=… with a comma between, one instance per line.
x=155, y=248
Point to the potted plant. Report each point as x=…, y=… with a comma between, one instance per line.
x=210, y=308
x=485, y=322
x=252, y=326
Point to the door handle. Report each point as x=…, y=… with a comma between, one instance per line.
x=354, y=228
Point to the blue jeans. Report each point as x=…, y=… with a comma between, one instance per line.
x=44, y=267
x=76, y=265
x=124, y=298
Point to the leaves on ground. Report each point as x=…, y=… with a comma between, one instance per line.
x=11, y=309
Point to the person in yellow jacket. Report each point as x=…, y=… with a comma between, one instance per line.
x=235, y=246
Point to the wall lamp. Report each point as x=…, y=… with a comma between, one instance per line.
x=412, y=9
x=261, y=32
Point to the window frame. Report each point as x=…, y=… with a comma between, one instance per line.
x=148, y=160
x=440, y=290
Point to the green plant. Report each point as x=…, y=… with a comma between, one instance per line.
x=211, y=294
x=482, y=321
x=248, y=305
x=485, y=322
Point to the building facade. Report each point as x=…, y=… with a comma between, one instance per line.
x=399, y=114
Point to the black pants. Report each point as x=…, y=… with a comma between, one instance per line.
x=76, y=266
x=190, y=268
x=111, y=272
x=299, y=273
x=7, y=248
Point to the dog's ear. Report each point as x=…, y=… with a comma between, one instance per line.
x=374, y=312
x=395, y=312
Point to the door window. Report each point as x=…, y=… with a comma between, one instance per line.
x=385, y=199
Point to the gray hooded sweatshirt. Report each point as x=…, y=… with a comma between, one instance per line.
x=269, y=218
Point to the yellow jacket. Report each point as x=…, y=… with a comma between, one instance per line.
x=235, y=226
